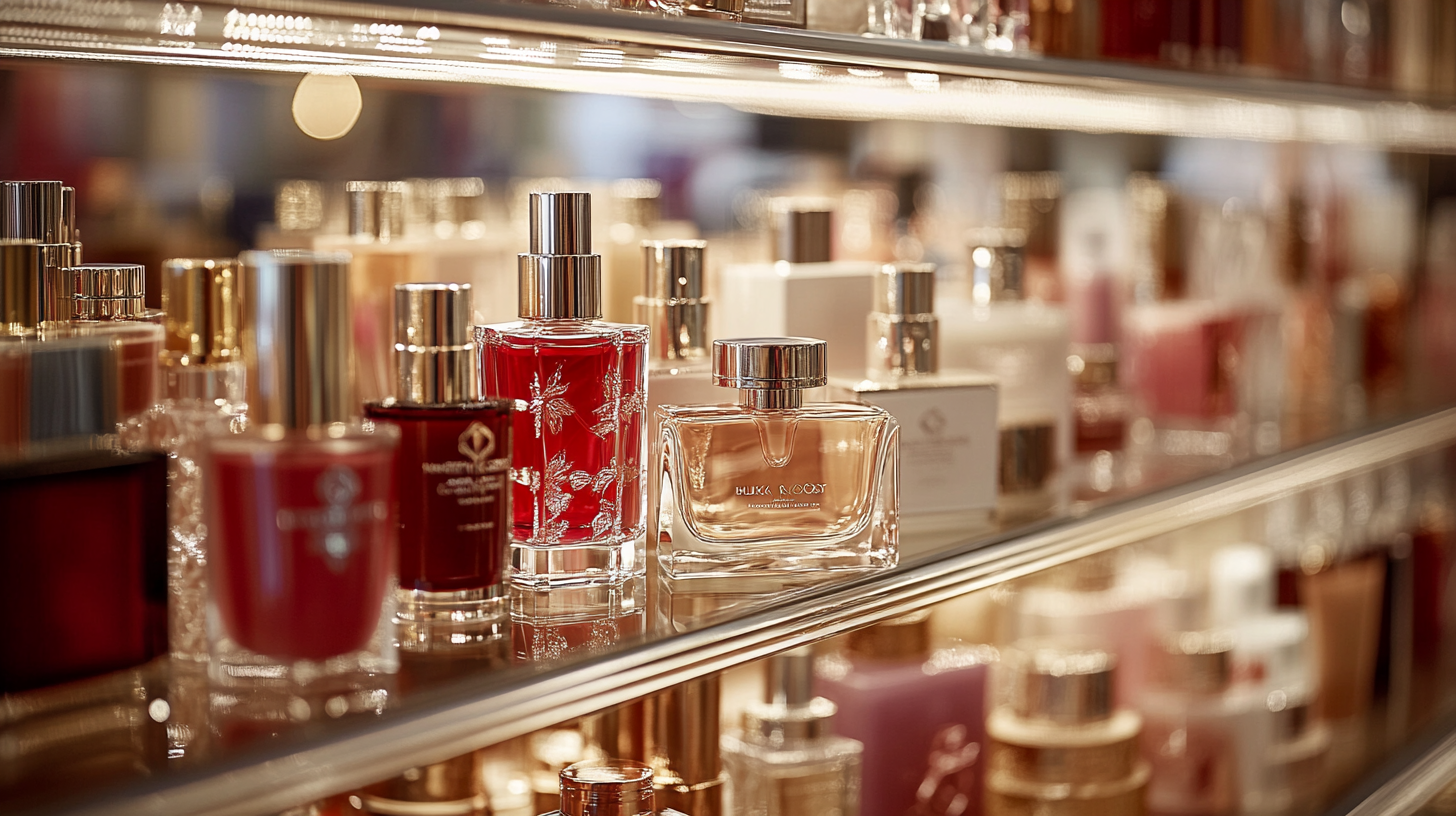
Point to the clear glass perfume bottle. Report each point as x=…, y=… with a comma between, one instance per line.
x=578, y=503
x=918, y=710
x=202, y=395
x=804, y=292
x=453, y=473
x=948, y=433
x=788, y=760
x=1024, y=345
x=300, y=509
x=614, y=787
x=772, y=489
x=1055, y=738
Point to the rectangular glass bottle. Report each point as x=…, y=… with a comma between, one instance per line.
x=578, y=503
x=948, y=433
x=788, y=759
x=453, y=473
x=771, y=489
x=300, y=510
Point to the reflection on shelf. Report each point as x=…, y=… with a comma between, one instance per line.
x=758, y=69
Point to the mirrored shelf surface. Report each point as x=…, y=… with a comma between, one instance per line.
x=145, y=743
x=755, y=68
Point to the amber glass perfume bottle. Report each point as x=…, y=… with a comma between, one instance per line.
x=788, y=759
x=772, y=488
x=453, y=471
x=578, y=509
x=300, y=509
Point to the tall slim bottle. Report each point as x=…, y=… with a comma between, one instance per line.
x=578, y=510
x=676, y=309
x=300, y=509
x=453, y=472
x=202, y=395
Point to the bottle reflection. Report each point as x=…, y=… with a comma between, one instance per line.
x=548, y=625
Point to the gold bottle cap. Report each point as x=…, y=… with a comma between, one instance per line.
x=685, y=732
x=1067, y=686
x=560, y=278
x=455, y=781
x=376, y=209
x=434, y=353
x=203, y=314
x=21, y=290
x=901, y=639
x=1198, y=662
x=614, y=787
x=109, y=291
x=675, y=306
x=997, y=260
x=804, y=230
x=296, y=337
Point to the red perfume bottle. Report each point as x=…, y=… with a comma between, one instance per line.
x=300, y=507
x=453, y=470
x=578, y=505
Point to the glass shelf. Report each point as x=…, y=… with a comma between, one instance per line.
x=755, y=68
x=566, y=655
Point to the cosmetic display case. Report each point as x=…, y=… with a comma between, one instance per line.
x=1328, y=687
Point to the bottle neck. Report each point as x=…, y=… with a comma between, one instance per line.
x=771, y=400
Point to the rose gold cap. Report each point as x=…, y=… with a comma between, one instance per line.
x=1063, y=685
x=296, y=338
x=614, y=787
x=203, y=315
x=899, y=639
x=1198, y=662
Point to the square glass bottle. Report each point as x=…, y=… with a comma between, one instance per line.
x=300, y=510
x=453, y=473
x=948, y=434
x=772, y=489
x=578, y=502
x=788, y=760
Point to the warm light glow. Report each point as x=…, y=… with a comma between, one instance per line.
x=326, y=106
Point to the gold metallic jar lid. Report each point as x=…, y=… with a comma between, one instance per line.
x=1198, y=662
x=109, y=291
x=898, y=639
x=1063, y=685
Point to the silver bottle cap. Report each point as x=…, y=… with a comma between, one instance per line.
x=109, y=291
x=790, y=710
x=434, y=355
x=560, y=277
x=803, y=230
x=613, y=787
x=675, y=307
x=996, y=263
x=770, y=372
x=296, y=337
x=903, y=327
x=203, y=314
x=376, y=209
x=1063, y=685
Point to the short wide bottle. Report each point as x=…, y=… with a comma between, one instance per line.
x=772, y=488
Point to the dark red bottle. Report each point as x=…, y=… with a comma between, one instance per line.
x=453, y=470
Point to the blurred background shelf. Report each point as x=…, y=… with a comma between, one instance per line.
x=755, y=68
x=449, y=714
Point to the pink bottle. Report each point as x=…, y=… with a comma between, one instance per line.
x=919, y=712
x=578, y=503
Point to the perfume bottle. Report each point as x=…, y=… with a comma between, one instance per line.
x=202, y=395
x=920, y=713
x=448, y=240
x=1203, y=731
x=1101, y=407
x=684, y=747
x=803, y=293
x=578, y=503
x=450, y=788
x=1024, y=345
x=634, y=210
x=676, y=309
x=300, y=509
x=453, y=472
x=788, y=760
x=948, y=432
x=378, y=260
x=772, y=489
x=109, y=615
x=1055, y=737
x=609, y=788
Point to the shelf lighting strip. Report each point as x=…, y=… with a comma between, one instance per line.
x=756, y=69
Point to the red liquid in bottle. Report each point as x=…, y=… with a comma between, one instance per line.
x=454, y=502
x=302, y=540
x=578, y=449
